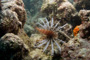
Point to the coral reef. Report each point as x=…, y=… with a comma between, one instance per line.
x=82, y=4
x=15, y=44
x=76, y=49
x=12, y=15
x=85, y=30
x=84, y=15
x=12, y=47
x=61, y=10
x=12, y=20
x=38, y=54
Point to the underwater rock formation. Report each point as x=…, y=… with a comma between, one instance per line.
x=22, y=34
x=82, y=4
x=59, y=9
x=38, y=55
x=84, y=15
x=12, y=16
x=12, y=47
x=63, y=11
x=85, y=30
x=12, y=19
x=76, y=49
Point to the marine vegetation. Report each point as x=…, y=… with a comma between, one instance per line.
x=51, y=32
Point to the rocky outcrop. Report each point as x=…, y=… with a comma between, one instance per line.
x=58, y=9
x=62, y=11
x=12, y=16
x=84, y=15
x=13, y=40
x=82, y=4
x=12, y=47
x=85, y=30
x=21, y=47
x=76, y=49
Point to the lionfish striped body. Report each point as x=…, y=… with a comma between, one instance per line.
x=48, y=33
x=50, y=30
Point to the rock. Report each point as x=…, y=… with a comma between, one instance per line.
x=63, y=11
x=67, y=13
x=16, y=6
x=85, y=30
x=82, y=4
x=58, y=9
x=12, y=16
x=76, y=49
x=48, y=6
x=22, y=34
x=9, y=22
x=12, y=47
x=84, y=15
x=38, y=54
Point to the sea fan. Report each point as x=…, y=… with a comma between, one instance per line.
x=51, y=31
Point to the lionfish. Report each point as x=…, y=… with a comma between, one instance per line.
x=51, y=32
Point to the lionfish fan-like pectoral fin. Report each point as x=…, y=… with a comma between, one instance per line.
x=42, y=41
x=52, y=51
x=58, y=46
x=46, y=46
x=56, y=25
x=45, y=25
x=61, y=26
x=41, y=44
x=47, y=22
x=41, y=25
x=52, y=23
x=61, y=41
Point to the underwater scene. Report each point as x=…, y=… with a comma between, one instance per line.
x=44, y=29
